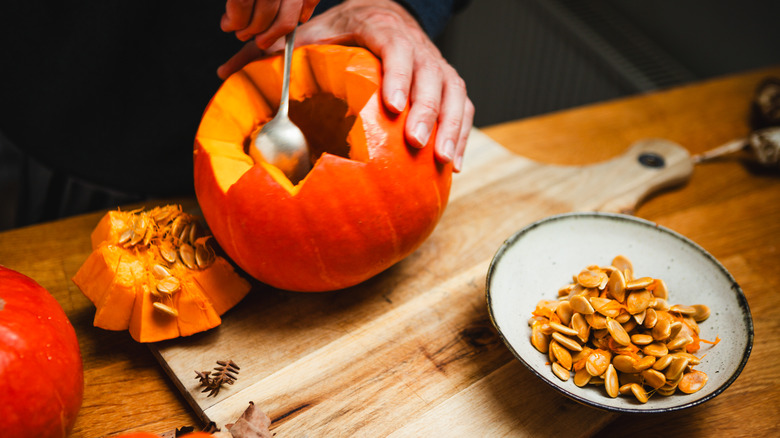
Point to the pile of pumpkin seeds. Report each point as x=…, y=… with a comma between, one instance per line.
x=176, y=241
x=610, y=328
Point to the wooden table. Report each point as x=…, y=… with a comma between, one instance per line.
x=729, y=206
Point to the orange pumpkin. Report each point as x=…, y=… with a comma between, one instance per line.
x=154, y=273
x=41, y=374
x=369, y=200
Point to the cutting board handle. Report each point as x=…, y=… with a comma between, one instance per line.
x=648, y=166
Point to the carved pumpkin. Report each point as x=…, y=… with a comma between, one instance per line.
x=41, y=374
x=154, y=273
x=369, y=200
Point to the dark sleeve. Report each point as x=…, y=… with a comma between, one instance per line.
x=433, y=15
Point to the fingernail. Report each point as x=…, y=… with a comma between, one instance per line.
x=421, y=133
x=398, y=100
x=458, y=164
x=449, y=149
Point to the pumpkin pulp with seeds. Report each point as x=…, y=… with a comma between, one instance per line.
x=154, y=273
x=369, y=200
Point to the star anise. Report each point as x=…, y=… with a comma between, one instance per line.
x=225, y=373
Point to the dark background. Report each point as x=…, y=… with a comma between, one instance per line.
x=519, y=58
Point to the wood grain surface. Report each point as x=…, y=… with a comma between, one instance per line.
x=731, y=207
x=370, y=358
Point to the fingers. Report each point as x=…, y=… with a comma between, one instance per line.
x=264, y=14
x=265, y=20
x=247, y=54
x=283, y=21
x=426, y=101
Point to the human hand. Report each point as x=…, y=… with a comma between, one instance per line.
x=414, y=70
x=265, y=21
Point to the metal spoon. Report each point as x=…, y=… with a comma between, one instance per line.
x=280, y=142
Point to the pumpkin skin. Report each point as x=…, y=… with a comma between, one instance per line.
x=352, y=216
x=41, y=373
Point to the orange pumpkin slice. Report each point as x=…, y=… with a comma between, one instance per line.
x=155, y=274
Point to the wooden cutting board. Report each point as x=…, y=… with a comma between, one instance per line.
x=412, y=351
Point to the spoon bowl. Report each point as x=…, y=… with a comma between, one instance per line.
x=280, y=142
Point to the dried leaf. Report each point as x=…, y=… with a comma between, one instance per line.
x=253, y=423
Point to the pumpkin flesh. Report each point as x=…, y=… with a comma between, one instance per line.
x=122, y=278
x=369, y=200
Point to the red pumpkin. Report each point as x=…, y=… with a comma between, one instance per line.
x=369, y=201
x=41, y=374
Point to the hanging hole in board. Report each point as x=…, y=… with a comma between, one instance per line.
x=650, y=159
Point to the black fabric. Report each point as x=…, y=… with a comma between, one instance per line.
x=433, y=15
x=111, y=91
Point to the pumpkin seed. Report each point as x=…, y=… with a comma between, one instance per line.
x=616, y=287
x=159, y=271
x=638, y=301
x=656, y=349
x=165, y=309
x=566, y=290
x=204, y=256
x=168, y=285
x=539, y=340
x=560, y=354
x=679, y=342
x=702, y=312
x=644, y=363
x=660, y=290
x=598, y=322
x=640, y=317
x=683, y=310
x=611, y=384
x=617, y=332
x=629, y=325
x=641, y=339
x=639, y=392
x=589, y=278
x=187, y=254
x=639, y=283
x=622, y=263
x=662, y=362
x=692, y=382
x=650, y=318
x=581, y=305
x=624, y=363
x=597, y=363
x=660, y=304
x=582, y=377
x=623, y=317
x=676, y=368
x=662, y=330
x=560, y=371
x=653, y=378
x=674, y=329
x=692, y=359
x=569, y=343
x=582, y=327
x=606, y=306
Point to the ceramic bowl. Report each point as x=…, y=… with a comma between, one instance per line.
x=541, y=258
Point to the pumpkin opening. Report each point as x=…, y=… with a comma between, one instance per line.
x=326, y=122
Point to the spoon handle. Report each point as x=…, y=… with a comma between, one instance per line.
x=288, y=49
